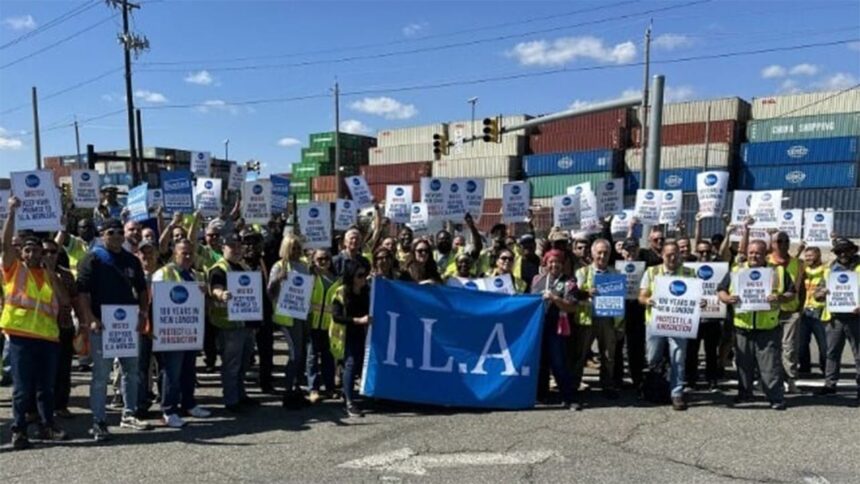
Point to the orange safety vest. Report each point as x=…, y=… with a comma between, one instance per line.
x=29, y=311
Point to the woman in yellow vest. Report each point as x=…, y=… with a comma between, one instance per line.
x=33, y=295
x=295, y=331
x=320, y=362
x=810, y=320
x=505, y=265
x=351, y=309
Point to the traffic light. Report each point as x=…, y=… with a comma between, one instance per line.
x=493, y=130
x=440, y=145
x=252, y=166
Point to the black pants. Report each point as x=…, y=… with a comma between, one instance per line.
x=63, y=381
x=210, y=347
x=710, y=331
x=634, y=340
x=266, y=352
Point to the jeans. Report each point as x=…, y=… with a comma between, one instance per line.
x=295, y=336
x=101, y=372
x=656, y=348
x=811, y=325
x=710, y=332
x=178, y=377
x=34, y=368
x=840, y=328
x=63, y=381
x=320, y=360
x=235, y=347
x=353, y=359
x=144, y=387
x=760, y=349
x=555, y=346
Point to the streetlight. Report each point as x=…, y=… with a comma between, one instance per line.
x=226, y=149
x=473, y=101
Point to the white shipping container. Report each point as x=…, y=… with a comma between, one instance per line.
x=390, y=155
x=732, y=108
x=409, y=136
x=807, y=104
x=484, y=167
x=493, y=186
x=465, y=126
x=542, y=202
x=683, y=156
x=511, y=145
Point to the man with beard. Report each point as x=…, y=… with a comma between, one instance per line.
x=404, y=244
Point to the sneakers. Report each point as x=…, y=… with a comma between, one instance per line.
x=713, y=387
x=174, y=421
x=353, y=411
x=51, y=433
x=100, y=432
x=314, y=396
x=679, y=404
x=779, y=406
x=199, y=412
x=20, y=440
x=134, y=423
x=63, y=413
x=791, y=387
x=116, y=402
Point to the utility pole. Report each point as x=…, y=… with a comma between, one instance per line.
x=473, y=101
x=131, y=43
x=78, y=142
x=36, y=135
x=337, y=176
x=643, y=111
x=139, y=141
x=227, y=149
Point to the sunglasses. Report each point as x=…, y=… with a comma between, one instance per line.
x=506, y=258
x=658, y=239
x=323, y=259
x=422, y=251
x=113, y=232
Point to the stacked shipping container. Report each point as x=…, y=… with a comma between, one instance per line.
x=401, y=157
x=318, y=162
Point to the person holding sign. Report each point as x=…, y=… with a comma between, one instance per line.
x=320, y=364
x=33, y=295
x=789, y=316
x=840, y=326
x=178, y=367
x=505, y=265
x=634, y=317
x=235, y=338
x=351, y=309
x=758, y=335
x=810, y=320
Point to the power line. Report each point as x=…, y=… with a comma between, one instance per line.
x=64, y=90
x=55, y=44
x=52, y=23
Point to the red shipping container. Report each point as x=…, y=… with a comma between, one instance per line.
x=378, y=190
x=492, y=205
x=615, y=118
x=324, y=197
x=325, y=183
x=52, y=162
x=728, y=131
x=615, y=139
x=398, y=173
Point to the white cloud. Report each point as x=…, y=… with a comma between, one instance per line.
x=8, y=142
x=625, y=94
x=678, y=94
x=202, y=78
x=804, y=70
x=837, y=82
x=217, y=105
x=386, y=107
x=354, y=126
x=773, y=72
x=288, y=142
x=414, y=28
x=671, y=94
x=109, y=98
x=568, y=49
x=150, y=96
x=790, y=86
x=24, y=22
x=671, y=41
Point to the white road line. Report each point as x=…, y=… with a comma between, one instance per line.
x=407, y=461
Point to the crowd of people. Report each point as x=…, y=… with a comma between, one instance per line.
x=54, y=286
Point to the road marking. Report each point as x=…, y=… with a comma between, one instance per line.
x=407, y=461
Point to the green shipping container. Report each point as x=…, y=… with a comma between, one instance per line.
x=550, y=186
x=349, y=141
x=300, y=186
x=326, y=155
x=804, y=127
x=303, y=199
x=305, y=171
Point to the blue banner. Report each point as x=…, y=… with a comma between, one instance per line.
x=610, y=290
x=455, y=347
x=280, y=193
x=177, y=191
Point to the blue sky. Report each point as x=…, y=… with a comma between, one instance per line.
x=187, y=102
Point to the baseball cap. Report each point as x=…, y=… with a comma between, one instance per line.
x=109, y=224
x=630, y=243
x=232, y=239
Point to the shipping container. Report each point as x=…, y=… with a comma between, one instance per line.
x=416, y=135
x=550, y=186
x=324, y=197
x=492, y=205
x=845, y=203
x=302, y=199
x=391, y=155
x=400, y=173
x=300, y=186
x=487, y=167
x=304, y=171
x=573, y=162
x=604, y=120
x=542, y=202
x=727, y=131
x=719, y=155
x=327, y=155
x=321, y=184
x=806, y=104
x=815, y=175
x=677, y=179
x=797, y=152
x=511, y=145
x=615, y=138
x=52, y=162
x=804, y=127
x=731, y=108
x=347, y=140
x=493, y=186
x=466, y=129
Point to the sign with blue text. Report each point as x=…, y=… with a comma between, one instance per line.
x=137, y=208
x=178, y=314
x=610, y=290
x=280, y=193
x=177, y=191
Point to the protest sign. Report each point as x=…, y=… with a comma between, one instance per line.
x=817, y=228
x=398, y=203
x=419, y=221
x=433, y=196
x=177, y=191
x=711, y=274
x=257, y=201
x=280, y=193
x=178, y=316
x=208, y=196
x=467, y=283
x=200, y=164
x=154, y=198
x=609, y=293
x=516, y=199
x=4, y=205
x=565, y=212
x=647, y=208
x=670, y=207
x=294, y=299
x=791, y=222
x=455, y=200
x=483, y=348
x=85, y=188
x=359, y=191
x=237, y=177
x=843, y=295
x=588, y=220
x=499, y=284
x=246, y=291
x=345, y=214
x=633, y=271
x=675, y=313
x=753, y=288
x=766, y=207
x=120, y=338
x=136, y=204
x=315, y=224
x=740, y=211
x=711, y=189
x=610, y=197
x=40, y=208
x=474, y=197
x=621, y=222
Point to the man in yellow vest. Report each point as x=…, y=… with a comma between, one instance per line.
x=789, y=312
x=33, y=295
x=758, y=335
x=810, y=320
x=76, y=247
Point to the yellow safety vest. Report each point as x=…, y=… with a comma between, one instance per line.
x=813, y=278
x=170, y=273
x=793, y=305
x=660, y=270
x=584, y=308
x=76, y=249
x=450, y=266
x=519, y=284
x=321, y=300
x=282, y=319
x=763, y=320
x=218, y=309
x=29, y=311
x=826, y=316
x=336, y=331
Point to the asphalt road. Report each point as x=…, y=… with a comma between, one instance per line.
x=814, y=441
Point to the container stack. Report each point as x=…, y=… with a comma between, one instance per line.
x=318, y=162
x=402, y=156
x=694, y=136
x=802, y=141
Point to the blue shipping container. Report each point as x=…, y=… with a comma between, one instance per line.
x=799, y=152
x=828, y=175
x=677, y=179
x=572, y=162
